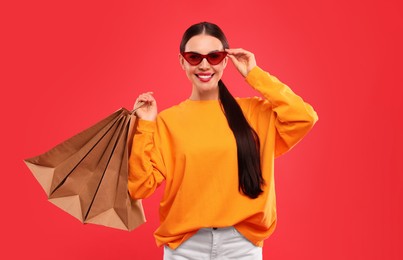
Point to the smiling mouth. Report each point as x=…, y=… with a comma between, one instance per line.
x=204, y=77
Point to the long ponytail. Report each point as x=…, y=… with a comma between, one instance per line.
x=248, y=145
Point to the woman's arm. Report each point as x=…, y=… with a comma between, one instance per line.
x=146, y=168
x=293, y=117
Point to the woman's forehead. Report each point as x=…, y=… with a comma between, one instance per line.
x=203, y=43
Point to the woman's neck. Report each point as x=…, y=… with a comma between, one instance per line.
x=204, y=95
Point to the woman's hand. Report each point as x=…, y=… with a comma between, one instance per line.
x=243, y=60
x=146, y=107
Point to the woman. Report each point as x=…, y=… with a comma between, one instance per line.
x=215, y=153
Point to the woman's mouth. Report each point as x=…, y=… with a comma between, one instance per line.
x=204, y=77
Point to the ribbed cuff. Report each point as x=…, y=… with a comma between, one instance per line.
x=146, y=126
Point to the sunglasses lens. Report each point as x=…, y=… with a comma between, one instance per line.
x=216, y=57
x=213, y=58
x=192, y=58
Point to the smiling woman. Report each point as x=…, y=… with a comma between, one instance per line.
x=195, y=58
x=215, y=153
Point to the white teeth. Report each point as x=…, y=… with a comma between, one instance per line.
x=205, y=76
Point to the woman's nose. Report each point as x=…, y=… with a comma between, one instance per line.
x=204, y=63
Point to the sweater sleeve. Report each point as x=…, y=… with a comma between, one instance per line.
x=146, y=168
x=293, y=117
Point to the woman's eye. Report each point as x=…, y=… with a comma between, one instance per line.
x=194, y=56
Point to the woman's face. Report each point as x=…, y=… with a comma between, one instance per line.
x=204, y=76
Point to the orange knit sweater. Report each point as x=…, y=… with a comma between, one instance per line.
x=192, y=148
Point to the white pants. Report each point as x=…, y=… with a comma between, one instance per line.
x=209, y=243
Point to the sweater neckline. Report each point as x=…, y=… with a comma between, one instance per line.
x=202, y=104
x=210, y=101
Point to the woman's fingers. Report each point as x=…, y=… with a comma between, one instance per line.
x=240, y=54
x=145, y=106
x=235, y=51
x=146, y=97
x=243, y=60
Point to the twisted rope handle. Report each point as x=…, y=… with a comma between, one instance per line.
x=138, y=105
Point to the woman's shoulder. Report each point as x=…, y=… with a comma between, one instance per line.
x=172, y=112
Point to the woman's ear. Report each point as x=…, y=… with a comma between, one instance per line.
x=182, y=61
x=225, y=62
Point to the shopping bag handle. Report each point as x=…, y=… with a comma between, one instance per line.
x=138, y=105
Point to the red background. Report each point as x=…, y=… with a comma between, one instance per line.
x=67, y=64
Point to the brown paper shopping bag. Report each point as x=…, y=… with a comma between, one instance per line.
x=86, y=175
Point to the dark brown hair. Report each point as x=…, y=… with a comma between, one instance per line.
x=248, y=145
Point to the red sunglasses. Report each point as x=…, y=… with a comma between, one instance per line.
x=195, y=58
